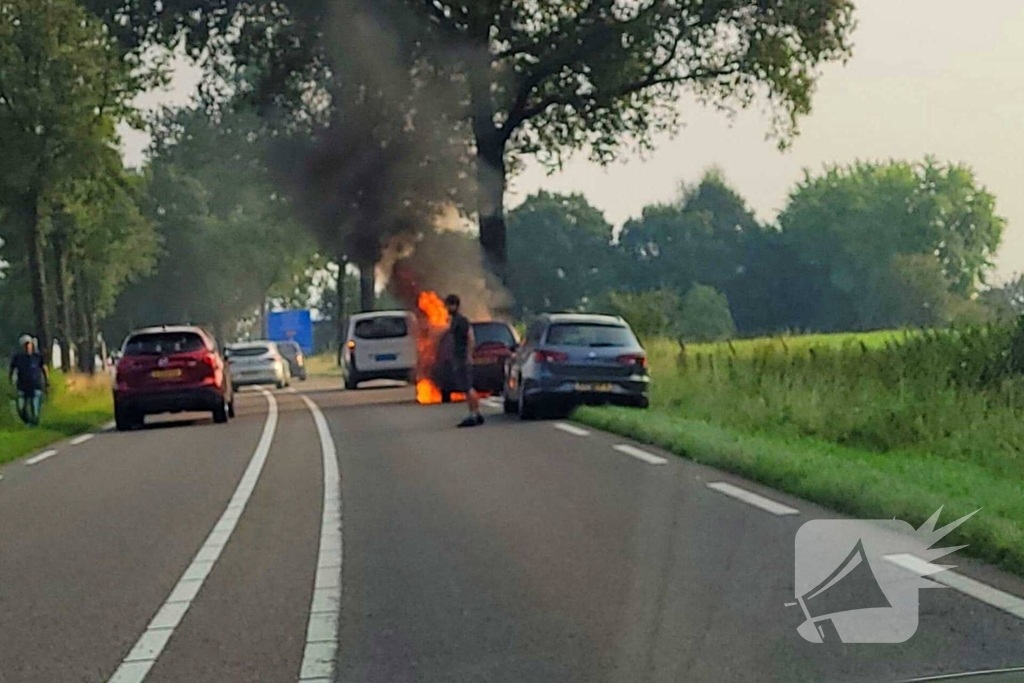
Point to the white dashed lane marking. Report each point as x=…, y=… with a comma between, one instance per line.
x=993, y=597
x=320, y=655
x=79, y=440
x=151, y=643
x=571, y=429
x=751, y=498
x=35, y=460
x=640, y=454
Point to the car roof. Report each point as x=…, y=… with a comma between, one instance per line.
x=251, y=344
x=157, y=329
x=584, y=318
x=378, y=314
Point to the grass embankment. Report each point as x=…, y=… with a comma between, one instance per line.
x=878, y=426
x=323, y=365
x=76, y=404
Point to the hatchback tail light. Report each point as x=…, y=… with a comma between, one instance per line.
x=544, y=356
x=637, y=359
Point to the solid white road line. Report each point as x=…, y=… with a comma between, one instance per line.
x=968, y=586
x=140, y=660
x=751, y=498
x=964, y=675
x=35, y=460
x=318, y=660
x=640, y=454
x=571, y=429
x=79, y=440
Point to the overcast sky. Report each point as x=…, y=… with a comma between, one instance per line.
x=939, y=77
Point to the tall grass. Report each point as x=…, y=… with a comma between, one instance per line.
x=880, y=425
x=75, y=404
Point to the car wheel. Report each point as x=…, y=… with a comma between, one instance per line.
x=220, y=413
x=234, y=388
x=509, y=405
x=351, y=382
x=123, y=419
x=527, y=408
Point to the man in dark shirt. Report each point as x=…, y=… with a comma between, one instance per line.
x=29, y=368
x=461, y=372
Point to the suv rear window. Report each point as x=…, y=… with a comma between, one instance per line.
x=584, y=334
x=385, y=327
x=492, y=333
x=163, y=344
x=248, y=351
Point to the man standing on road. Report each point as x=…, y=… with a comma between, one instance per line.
x=30, y=368
x=462, y=344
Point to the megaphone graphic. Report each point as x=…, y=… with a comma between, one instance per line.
x=851, y=586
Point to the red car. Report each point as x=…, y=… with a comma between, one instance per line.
x=170, y=370
x=494, y=343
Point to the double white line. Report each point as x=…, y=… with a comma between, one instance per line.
x=320, y=653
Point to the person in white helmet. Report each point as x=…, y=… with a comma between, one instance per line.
x=28, y=370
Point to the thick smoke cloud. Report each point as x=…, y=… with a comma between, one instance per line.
x=394, y=152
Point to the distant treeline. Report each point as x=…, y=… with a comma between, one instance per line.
x=867, y=246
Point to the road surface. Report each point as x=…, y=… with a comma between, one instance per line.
x=536, y=551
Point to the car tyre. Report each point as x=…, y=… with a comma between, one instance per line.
x=527, y=408
x=123, y=420
x=509, y=405
x=220, y=413
x=351, y=382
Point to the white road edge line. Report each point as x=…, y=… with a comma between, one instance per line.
x=320, y=656
x=640, y=454
x=79, y=440
x=571, y=429
x=751, y=498
x=35, y=460
x=136, y=665
x=968, y=586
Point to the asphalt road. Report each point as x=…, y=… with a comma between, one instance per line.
x=195, y=552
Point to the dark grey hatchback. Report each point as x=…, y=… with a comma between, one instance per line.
x=567, y=359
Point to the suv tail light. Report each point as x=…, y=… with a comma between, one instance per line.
x=636, y=359
x=544, y=356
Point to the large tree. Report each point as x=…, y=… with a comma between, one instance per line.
x=561, y=253
x=63, y=87
x=543, y=78
x=849, y=223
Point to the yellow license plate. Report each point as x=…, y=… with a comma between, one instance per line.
x=165, y=374
x=581, y=386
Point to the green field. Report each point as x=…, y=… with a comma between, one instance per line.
x=877, y=425
x=323, y=365
x=75, y=404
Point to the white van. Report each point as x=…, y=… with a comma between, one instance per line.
x=379, y=345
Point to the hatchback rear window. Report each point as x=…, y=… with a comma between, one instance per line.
x=584, y=334
x=248, y=351
x=389, y=327
x=492, y=333
x=163, y=343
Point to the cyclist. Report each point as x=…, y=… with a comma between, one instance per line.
x=28, y=369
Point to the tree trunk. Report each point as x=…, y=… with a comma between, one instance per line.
x=491, y=176
x=339, y=307
x=62, y=286
x=367, y=286
x=27, y=215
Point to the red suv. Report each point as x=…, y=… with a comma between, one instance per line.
x=170, y=370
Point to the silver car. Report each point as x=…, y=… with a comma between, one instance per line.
x=259, y=362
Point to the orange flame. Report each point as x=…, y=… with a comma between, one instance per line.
x=434, y=318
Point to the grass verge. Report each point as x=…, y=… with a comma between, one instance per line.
x=75, y=405
x=323, y=365
x=908, y=485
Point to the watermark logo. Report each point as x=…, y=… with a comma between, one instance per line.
x=856, y=581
